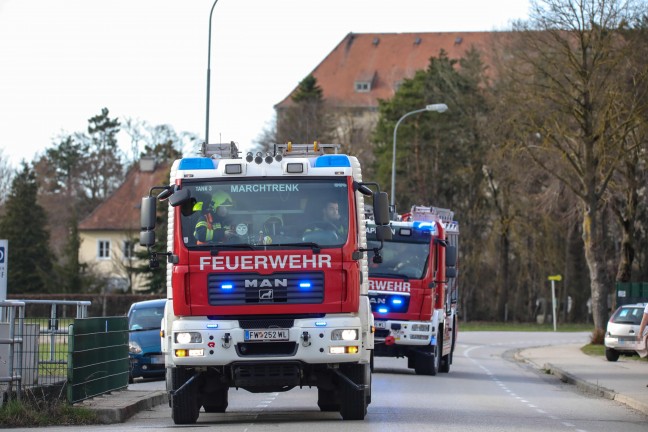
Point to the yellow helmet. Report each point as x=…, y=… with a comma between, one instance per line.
x=221, y=198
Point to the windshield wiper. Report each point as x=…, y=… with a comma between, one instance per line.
x=144, y=329
x=217, y=248
x=316, y=248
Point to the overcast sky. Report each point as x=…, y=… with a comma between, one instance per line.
x=61, y=61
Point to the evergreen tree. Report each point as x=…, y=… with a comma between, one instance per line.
x=307, y=119
x=23, y=224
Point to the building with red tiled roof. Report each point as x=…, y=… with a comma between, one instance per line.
x=366, y=67
x=110, y=234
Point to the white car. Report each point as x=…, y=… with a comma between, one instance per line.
x=622, y=330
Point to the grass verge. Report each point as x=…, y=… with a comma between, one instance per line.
x=32, y=413
x=530, y=327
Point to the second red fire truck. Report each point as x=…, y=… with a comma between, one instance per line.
x=414, y=291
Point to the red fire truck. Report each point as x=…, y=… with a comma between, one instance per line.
x=265, y=292
x=414, y=291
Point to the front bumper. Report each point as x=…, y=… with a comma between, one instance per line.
x=223, y=342
x=394, y=332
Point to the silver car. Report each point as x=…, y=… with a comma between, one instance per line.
x=622, y=330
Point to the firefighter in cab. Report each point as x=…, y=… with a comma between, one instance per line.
x=215, y=223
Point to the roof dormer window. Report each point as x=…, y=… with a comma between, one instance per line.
x=362, y=86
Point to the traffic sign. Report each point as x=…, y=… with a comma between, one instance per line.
x=555, y=278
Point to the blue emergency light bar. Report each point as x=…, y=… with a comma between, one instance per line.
x=187, y=164
x=332, y=161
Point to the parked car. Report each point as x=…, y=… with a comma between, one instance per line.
x=622, y=330
x=144, y=343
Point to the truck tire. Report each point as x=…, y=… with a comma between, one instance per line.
x=353, y=402
x=217, y=401
x=327, y=400
x=611, y=354
x=426, y=364
x=444, y=364
x=184, y=405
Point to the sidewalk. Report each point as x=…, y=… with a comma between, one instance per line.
x=623, y=381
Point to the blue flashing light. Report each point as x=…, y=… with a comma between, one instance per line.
x=397, y=301
x=332, y=161
x=320, y=323
x=383, y=310
x=305, y=285
x=425, y=226
x=212, y=326
x=227, y=286
x=187, y=164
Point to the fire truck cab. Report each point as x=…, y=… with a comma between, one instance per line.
x=265, y=292
x=414, y=291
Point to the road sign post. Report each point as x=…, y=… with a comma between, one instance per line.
x=553, y=280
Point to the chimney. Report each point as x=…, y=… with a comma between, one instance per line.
x=147, y=164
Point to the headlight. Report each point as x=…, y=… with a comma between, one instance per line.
x=344, y=334
x=188, y=337
x=134, y=347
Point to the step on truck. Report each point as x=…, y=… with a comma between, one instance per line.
x=265, y=293
x=414, y=290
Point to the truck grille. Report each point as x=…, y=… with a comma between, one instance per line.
x=277, y=288
x=388, y=303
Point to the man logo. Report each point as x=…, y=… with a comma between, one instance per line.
x=2, y=255
x=266, y=295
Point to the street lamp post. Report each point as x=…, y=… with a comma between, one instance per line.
x=440, y=107
x=209, y=72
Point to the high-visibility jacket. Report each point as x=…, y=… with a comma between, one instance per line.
x=204, y=230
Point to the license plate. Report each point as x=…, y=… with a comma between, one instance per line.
x=157, y=359
x=380, y=324
x=266, y=335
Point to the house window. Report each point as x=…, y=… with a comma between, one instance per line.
x=128, y=249
x=362, y=86
x=103, y=249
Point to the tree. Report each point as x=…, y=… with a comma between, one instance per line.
x=24, y=225
x=6, y=173
x=564, y=75
x=307, y=119
x=104, y=168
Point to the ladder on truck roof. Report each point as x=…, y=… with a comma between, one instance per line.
x=423, y=213
x=221, y=150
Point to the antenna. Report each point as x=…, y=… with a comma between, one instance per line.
x=208, y=73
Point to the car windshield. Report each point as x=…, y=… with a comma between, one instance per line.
x=252, y=213
x=145, y=318
x=400, y=259
x=628, y=315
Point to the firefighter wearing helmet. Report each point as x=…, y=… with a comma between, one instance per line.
x=214, y=225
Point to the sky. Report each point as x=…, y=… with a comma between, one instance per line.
x=62, y=61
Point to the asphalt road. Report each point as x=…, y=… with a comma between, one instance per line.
x=486, y=390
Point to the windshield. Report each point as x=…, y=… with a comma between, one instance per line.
x=146, y=318
x=272, y=212
x=628, y=315
x=400, y=259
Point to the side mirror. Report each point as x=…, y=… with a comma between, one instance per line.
x=147, y=213
x=381, y=208
x=179, y=197
x=147, y=238
x=383, y=232
x=451, y=256
x=451, y=272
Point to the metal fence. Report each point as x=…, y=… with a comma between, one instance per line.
x=34, y=352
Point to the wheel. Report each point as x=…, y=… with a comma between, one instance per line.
x=184, y=405
x=444, y=364
x=611, y=354
x=426, y=364
x=216, y=402
x=327, y=400
x=353, y=402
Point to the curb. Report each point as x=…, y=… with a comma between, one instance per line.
x=118, y=407
x=585, y=386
